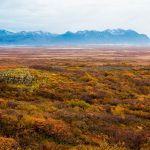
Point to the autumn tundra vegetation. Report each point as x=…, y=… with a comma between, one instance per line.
x=75, y=99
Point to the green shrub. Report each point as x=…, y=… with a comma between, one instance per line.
x=79, y=103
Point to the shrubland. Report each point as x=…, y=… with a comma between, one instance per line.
x=74, y=107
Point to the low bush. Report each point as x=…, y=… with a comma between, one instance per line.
x=79, y=103
x=8, y=144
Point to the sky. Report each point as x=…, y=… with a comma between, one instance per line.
x=59, y=16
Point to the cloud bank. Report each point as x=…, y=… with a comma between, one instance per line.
x=58, y=16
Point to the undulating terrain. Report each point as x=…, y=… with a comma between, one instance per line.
x=75, y=98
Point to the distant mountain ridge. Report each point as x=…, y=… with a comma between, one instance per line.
x=115, y=36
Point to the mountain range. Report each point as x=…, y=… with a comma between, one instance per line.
x=115, y=36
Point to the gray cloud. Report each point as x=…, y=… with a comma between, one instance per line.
x=62, y=15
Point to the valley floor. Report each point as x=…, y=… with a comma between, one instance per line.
x=75, y=98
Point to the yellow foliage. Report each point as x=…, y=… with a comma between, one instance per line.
x=8, y=144
x=118, y=110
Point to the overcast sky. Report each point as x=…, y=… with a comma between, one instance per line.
x=58, y=16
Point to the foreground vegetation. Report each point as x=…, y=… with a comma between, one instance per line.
x=75, y=107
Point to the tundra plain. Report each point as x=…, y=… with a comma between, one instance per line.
x=82, y=98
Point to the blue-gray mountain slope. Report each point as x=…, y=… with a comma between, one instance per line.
x=116, y=36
